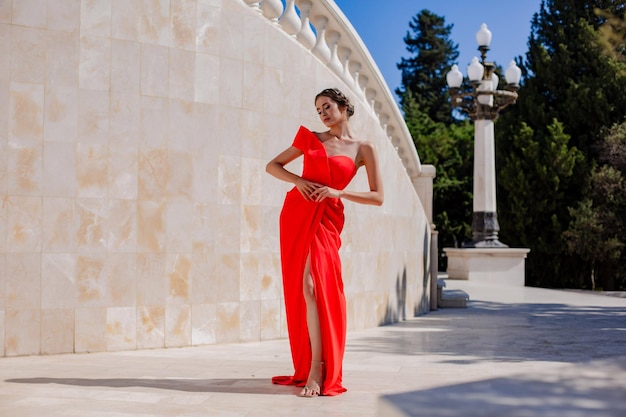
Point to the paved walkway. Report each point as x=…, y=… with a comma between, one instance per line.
x=513, y=352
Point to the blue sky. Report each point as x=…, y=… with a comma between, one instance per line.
x=382, y=26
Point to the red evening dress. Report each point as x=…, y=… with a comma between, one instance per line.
x=308, y=227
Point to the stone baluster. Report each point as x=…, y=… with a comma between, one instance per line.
x=344, y=57
x=289, y=21
x=355, y=67
x=321, y=49
x=254, y=4
x=370, y=95
x=384, y=119
x=390, y=130
x=363, y=80
x=305, y=36
x=333, y=42
x=272, y=9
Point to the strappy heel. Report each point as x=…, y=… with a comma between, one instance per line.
x=313, y=388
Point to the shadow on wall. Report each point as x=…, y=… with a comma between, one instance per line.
x=397, y=313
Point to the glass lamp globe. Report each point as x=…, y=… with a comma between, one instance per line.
x=475, y=70
x=454, y=77
x=483, y=36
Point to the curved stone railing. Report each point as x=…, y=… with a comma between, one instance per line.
x=336, y=43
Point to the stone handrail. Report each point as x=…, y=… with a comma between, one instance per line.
x=336, y=43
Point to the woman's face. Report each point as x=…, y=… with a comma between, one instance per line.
x=329, y=111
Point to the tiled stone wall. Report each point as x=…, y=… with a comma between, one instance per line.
x=135, y=211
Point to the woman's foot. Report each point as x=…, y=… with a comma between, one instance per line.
x=313, y=384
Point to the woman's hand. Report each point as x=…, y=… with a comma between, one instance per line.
x=323, y=192
x=307, y=188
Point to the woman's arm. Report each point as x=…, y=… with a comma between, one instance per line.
x=276, y=167
x=375, y=196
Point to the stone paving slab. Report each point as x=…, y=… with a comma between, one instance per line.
x=513, y=352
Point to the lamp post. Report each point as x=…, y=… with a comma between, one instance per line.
x=482, y=101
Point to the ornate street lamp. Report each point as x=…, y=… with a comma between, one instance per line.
x=482, y=101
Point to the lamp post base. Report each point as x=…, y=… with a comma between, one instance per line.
x=485, y=229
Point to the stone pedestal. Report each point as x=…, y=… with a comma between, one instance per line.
x=502, y=266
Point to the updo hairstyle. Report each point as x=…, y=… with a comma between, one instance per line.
x=339, y=98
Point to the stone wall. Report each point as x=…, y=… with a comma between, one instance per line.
x=135, y=210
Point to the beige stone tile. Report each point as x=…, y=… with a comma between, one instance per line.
x=182, y=74
x=208, y=30
x=24, y=224
x=180, y=176
x=28, y=55
x=252, y=171
x=90, y=330
x=92, y=163
x=206, y=79
x=121, y=328
x=251, y=231
x=91, y=281
x=24, y=169
x=153, y=174
x=58, y=225
x=150, y=327
x=270, y=319
x=204, y=227
x=93, y=117
x=3, y=280
x=126, y=20
x=150, y=226
x=253, y=86
x=231, y=82
x=203, y=274
x=2, y=326
x=23, y=281
x=123, y=173
x=125, y=66
x=59, y=175
x=178, y=268
x=229, y=180
x=121, y=280
x=205, y=178
x=177, y=325
x=90, y=228
x=5, y=12
x=95, y=63
x=57, y=331
x=249, y=321
x=125, y=120
x=61, y=70
x=5, y=50
x=179, y=227
x=26, y=109
x=152, y=284
x=154, y=122
x=182, y=126
x=121, y=226
x=155, y=65
x=227, y=138
x=95, y=18
x=22, y=332
x=254, y=39
x=231, y=35
x=228, y=318
x=155, y=27
x=3, y=225
x=228, y=275
x=61, y=114
x=183, y=18
x=58, y=281
x=269, y=229
x=203, y=324
x=64, y=15
x=270, y=276
x=228, y=229
x=250, y=282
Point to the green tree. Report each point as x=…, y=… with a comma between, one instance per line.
x=424, y=72
x=572, y=89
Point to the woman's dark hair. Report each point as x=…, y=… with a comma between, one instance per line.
x=339, y=98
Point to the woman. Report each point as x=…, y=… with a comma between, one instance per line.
x=310, y=224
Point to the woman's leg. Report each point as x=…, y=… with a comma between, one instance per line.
x=314, y=381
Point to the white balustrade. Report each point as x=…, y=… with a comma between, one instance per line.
x=324, y=30
x=290, y=21
x=272, y=9
x=306, y=36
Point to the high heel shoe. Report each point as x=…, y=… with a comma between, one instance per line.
x=313, y=387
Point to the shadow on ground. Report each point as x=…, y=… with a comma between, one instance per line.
x=232, y=386
x=506, y=332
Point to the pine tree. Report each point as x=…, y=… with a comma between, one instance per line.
x=424, y=72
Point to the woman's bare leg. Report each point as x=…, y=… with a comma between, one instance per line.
x=314, y=381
